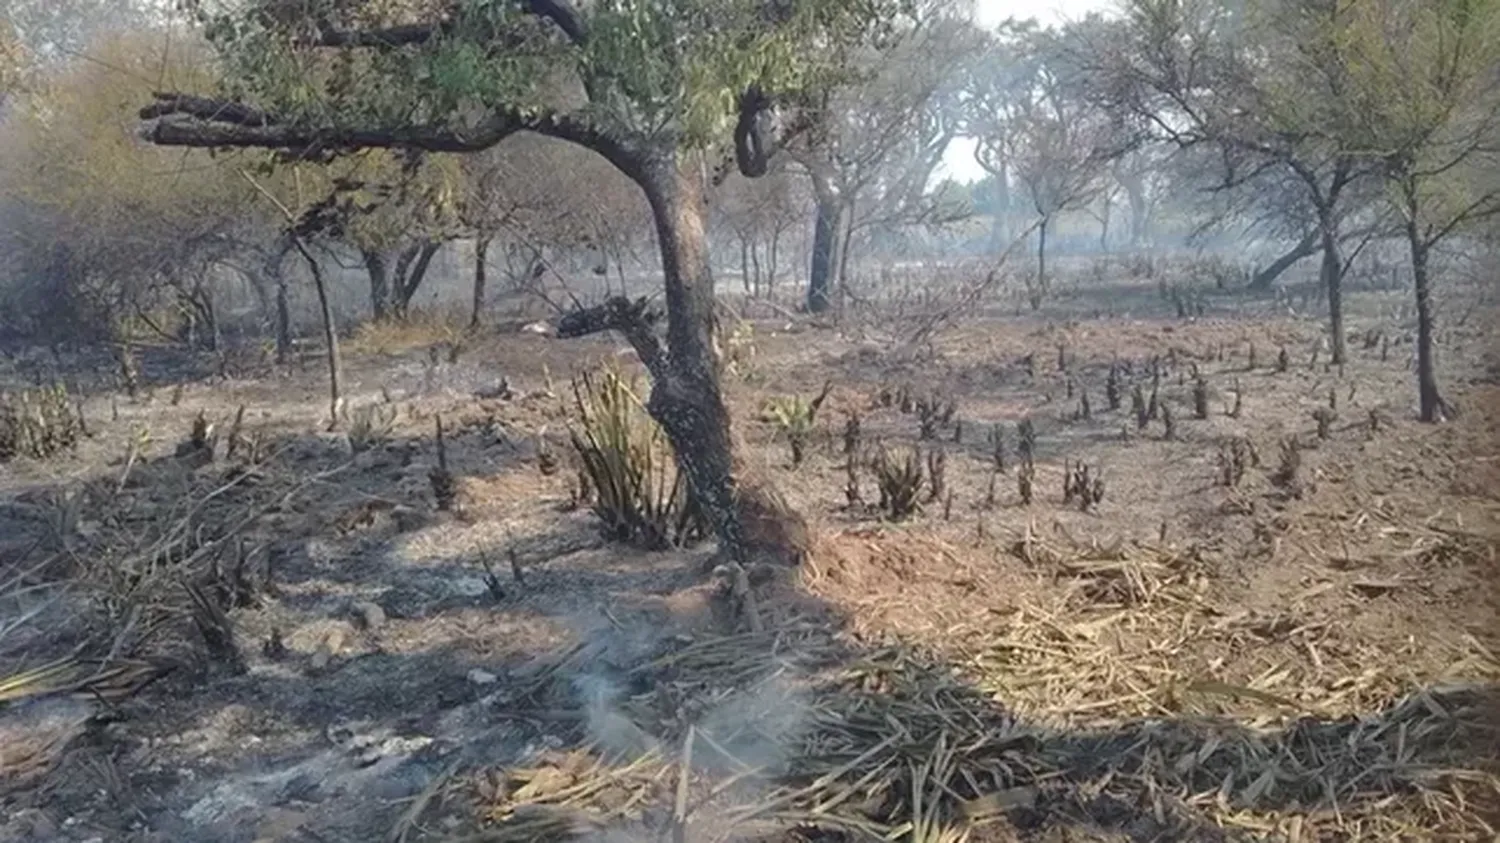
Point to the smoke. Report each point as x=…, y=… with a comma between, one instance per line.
x=756, y=729
x=751, y=734
x=616, y=735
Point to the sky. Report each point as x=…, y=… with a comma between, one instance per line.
x=959, y=163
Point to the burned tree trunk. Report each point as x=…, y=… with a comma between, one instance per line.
x=1431, y=406
x=1332, y=277
x=828, y=227
x=380, y=283
x=481, y=253
x=685, y=393
x=686, y=398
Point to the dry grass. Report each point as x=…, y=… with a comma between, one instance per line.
x=159, y=560
x=891, y=746
x=1094, y=707
x=1300, y=663
x=420, y=328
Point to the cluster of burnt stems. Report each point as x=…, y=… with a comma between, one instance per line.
x=909, y=477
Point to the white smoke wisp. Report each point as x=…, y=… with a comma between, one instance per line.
x=757, y=728
x=750, y=733
x=615, y=733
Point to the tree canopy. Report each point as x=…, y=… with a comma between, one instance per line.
x=615, y=76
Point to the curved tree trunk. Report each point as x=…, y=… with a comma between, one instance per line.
x=686, y=399
x=685, y=393
x=1267, y=276
x=330, y=336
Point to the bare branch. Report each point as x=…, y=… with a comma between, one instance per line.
x=214, y=123
x=203, y=108
x=634, y=319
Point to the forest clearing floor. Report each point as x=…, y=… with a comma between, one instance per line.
x=1299, y=658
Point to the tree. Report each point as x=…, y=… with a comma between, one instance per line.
x=659, y=85
x=533, y=204
x=1257, y=82
x=110, y=234
x=1425, y=103
x=408, y=213
x=759, y=213
x=860, y=128
x=1035, y=130
x=994, y=86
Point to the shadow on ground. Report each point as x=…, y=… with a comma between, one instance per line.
x=397, y=672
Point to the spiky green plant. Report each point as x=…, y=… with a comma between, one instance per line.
x=796, y=418
x=637, y=491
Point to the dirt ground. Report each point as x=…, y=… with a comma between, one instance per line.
x=1187, y=660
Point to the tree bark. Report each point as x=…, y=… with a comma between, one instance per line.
x=380, y=283
x=1331, y=275
x=824, y=269
x=1325, y=203
x=846, y=240
x=1431, y=406
x=481, y=251
x=685, y=392
x=411, y=271
x=283, y=323
x=1000, y=226
x=771, y=261
x=744, y=263
x=1104, y=224
x=204, y=299
x=1041, y=265
x=755, y=265
x=1140, y=210
x=1267, y=276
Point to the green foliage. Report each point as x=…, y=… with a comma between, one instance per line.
x=796, y=417
x=631, y=474
x=655, y=68
x=38, y=423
